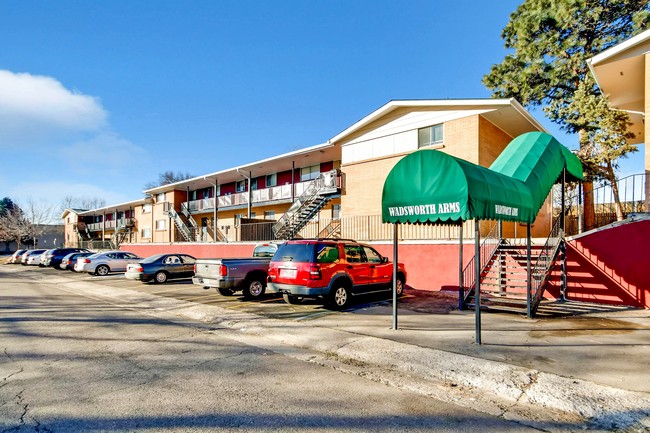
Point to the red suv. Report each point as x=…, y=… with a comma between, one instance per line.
x=335, y=270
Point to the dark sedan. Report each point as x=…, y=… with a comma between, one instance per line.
x=69, y=260
x=54, y=257
x=161, y=267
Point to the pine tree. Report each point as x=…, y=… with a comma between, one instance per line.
x=551, y=41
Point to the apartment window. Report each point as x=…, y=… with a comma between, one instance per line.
x=269, y=215
x=146, y=208
x=271, y=180
x=240, y=186
x=238, y=217
x=253, y=214
x=309, y=173
x=160, y=198
x=161, y=224
x=253, y=184
x=336, y=211
x=430, y=135
x=146, y=233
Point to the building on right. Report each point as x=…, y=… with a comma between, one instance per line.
x=623, y=75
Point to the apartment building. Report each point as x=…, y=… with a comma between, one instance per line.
x=331, y=189
x=623, y=74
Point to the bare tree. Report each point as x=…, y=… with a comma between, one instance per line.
x=83, y=202
x=14, y=227
x=24, y=223
x=167, y=177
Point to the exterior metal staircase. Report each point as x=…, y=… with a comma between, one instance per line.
x=122, y=230
x=220, y=236
x=313, y=199
x=184, y=222
x=504, y=276
x=332, y=230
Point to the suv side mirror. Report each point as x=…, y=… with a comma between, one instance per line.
x=384, y=259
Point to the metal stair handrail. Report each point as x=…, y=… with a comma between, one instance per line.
x=541, y=269
x=292, y=217
x=188, y=216
x=489, y=245
x=185, y=231
x=332, y=230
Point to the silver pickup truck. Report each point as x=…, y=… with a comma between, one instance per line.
x=247, y=274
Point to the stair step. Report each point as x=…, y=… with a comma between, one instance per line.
x=502, y=300
x=504, y=308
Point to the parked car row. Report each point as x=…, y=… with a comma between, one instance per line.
x=158, y=268
x=333, y=270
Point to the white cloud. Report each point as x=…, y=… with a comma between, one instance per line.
x=53, y=193
x=30, y=104
x=105, y=153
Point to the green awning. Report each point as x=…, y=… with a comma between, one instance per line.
x=434, y=187
x=537, y=159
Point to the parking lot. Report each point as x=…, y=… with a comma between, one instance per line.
x=272, y=306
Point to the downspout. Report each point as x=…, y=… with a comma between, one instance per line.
x=103, y=228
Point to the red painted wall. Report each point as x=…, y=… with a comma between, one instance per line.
x=429, y=266
x=609, y=266
x=196, y=250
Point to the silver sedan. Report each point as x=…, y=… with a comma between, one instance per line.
x=103, y=263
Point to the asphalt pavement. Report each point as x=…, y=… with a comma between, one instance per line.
x=585, y=365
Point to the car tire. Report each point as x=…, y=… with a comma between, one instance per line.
x=400, y=285
x=160, y=277
x=225, y=292
x=340, y=297
x=102, y=270
x=291, y=299
x=254, y=288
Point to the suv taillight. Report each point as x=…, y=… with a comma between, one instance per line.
x=223, y=270
x=314, y=272
x=195, y=268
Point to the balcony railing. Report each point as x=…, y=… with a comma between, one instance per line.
x=274, y=193
x=110, y=225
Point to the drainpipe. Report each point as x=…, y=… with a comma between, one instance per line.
x=103, y=228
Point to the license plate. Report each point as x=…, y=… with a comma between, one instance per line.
x=288, y=273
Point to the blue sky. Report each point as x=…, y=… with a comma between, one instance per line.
x=98, y=97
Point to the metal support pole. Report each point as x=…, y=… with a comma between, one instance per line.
x=215, y=217
x=461, y=283
x=580, y=210
x=477, y=283
x=395, y=240
x=501, y=265
x=563, y=283
x=529, y=297
x=250, y=193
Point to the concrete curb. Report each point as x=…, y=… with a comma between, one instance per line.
x=530, y=396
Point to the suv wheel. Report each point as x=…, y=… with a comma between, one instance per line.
x=254, y=288
x=291, y=299
x=400, y=285
x=340, y=297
